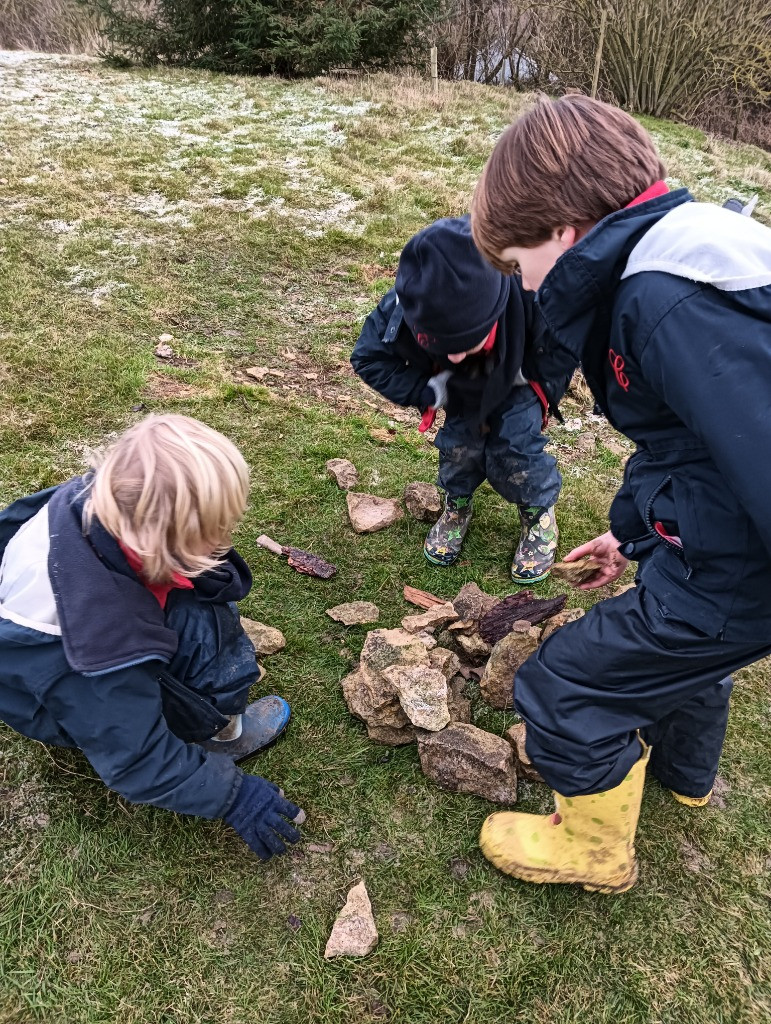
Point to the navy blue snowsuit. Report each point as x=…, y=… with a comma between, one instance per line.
x=502, y=443
x=89, y=659
x=667, y=306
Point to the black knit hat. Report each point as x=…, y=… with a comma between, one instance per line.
x=450, y=296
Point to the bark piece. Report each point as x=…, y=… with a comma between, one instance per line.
x=465, y=759
x=368, y=513
x=266, y=639
x=576, y=573
x=354, y=613
x=421, y=597
x=354, y=932
x=343, y=472
x=422, y=693
x=561, y=619
x=433, y=618
x=423, y=501
x=499, y=620
x=472, y=603
x=497, y=683
x=525, y=768
x=301, y=561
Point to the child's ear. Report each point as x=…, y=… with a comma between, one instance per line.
x=567, y=236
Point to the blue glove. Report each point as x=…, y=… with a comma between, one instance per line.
x=259, y=815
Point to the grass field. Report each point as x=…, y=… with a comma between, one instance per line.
x=258, y=221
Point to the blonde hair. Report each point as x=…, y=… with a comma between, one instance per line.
x=570, y=161
x=171, y=489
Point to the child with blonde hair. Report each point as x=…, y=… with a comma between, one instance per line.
x=119, y=634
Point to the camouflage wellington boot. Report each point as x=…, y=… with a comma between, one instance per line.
x=537, y=548
x=445, y=538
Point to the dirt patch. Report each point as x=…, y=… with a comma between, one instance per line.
x=161, y=386
x=24, y=816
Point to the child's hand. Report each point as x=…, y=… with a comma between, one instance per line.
x=604, y=550
x=261, y=816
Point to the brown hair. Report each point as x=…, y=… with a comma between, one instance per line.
x=566, y=162
x=171, y=489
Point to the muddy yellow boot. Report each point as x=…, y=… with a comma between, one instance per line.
x=589, y=840
x=692, y=801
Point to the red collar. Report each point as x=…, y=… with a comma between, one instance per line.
x=490, y=340
x=658, y=188
x=160, y=591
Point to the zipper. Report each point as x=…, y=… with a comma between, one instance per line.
x=648, y=518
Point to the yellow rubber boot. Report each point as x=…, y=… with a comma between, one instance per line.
x=692, y=801
x=588, y=841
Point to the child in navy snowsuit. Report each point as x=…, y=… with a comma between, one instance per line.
x=452, y=335
x=666, y=304
x=119, y=634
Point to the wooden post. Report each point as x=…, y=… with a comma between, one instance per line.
x=434, y=72
x=598, y=58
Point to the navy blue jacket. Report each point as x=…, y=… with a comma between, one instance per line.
x=388, y=358
x=671, y=322
x=82, y=650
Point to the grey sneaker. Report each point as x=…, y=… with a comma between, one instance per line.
x=537, y=546
x=445, y=538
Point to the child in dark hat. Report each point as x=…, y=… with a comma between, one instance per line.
x=452, y=334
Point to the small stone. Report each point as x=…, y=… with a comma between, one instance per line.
x=368, y=513
x=343, y=472
x=471, y=603
x=446, y=661
x=354, y=932
x=266, y=639
x=497, y=683
x=473, y=646
x=423, y=501
x=164, y=351
x=577, y=572
x=319, y=847
x=165, y=339
x=354, y=613
x=261, y=372
x=139, y=407
x=431, y=618
x=465, y=759
x=623, y=589
x=561, y=619
x=525, y=768
x=428, y=640
x=294, y=922
x=422, y=694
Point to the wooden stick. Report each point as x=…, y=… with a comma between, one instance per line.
x=421, y=597
x=266, y=542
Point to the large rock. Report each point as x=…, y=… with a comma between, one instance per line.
x=373, y=699
x=354, y=613
x=471, y=603
x=343, y=472
x=465, y=759
x=432, y=618
x=354, y=932
x=266, y=639
x=386, y=647
x=368, y=513
x=422, y=693
x=497, y=683
x=525, y=768
x=561, y=619
x=445, y=660
x=423, y=501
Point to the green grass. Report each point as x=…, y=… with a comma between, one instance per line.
x=141, y=203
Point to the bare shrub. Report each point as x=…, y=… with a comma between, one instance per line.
x=55, y=26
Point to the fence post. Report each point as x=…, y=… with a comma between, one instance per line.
x=434, y=71
x=598, y=58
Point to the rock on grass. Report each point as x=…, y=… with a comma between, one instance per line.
x=368, y=513
x=423, y=501
x=497, y=683
x=465, y=759
x=343, y=472
x=354, y=613
x=354, y=932
x=266, y=639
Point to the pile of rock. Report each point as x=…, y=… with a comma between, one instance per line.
x=409, y=687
